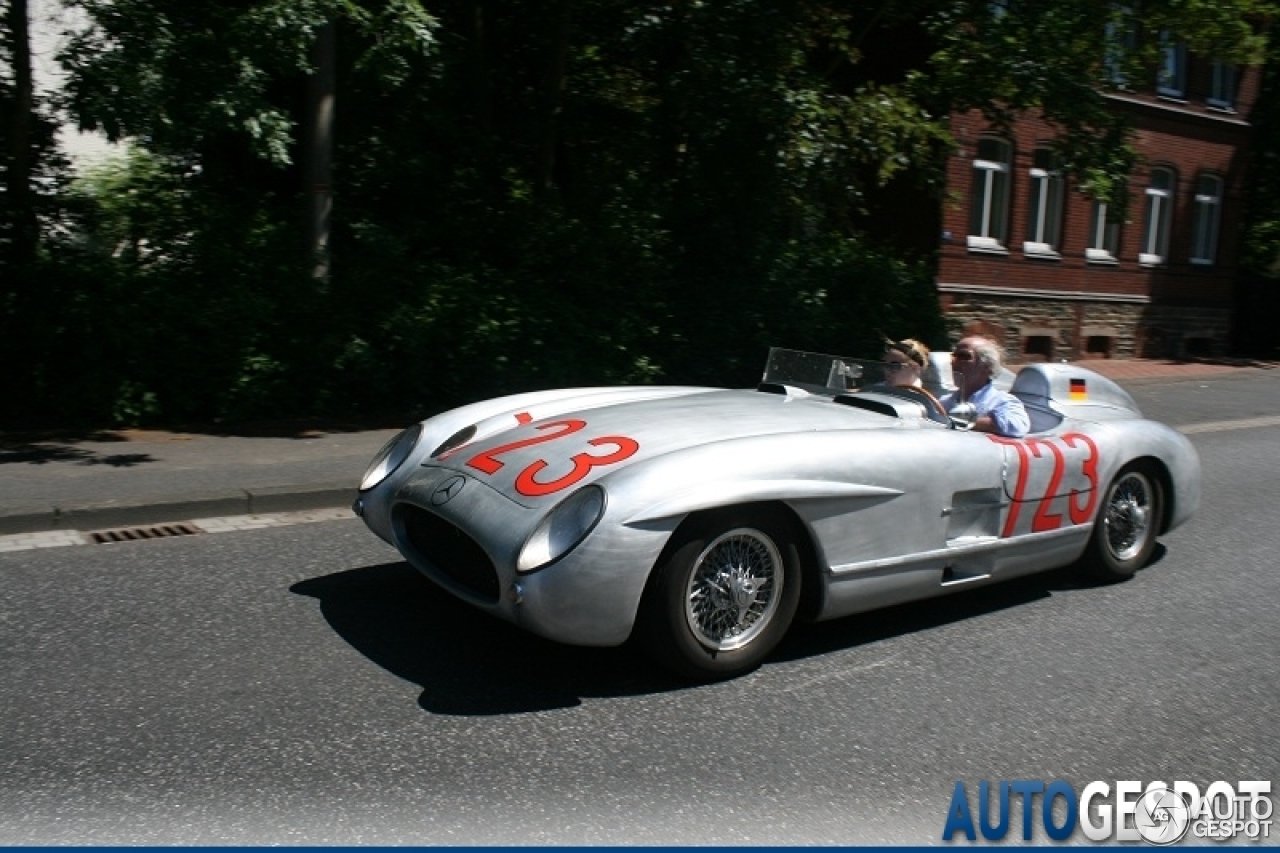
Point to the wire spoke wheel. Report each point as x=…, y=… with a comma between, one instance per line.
x=724, y=592
x=1128, y=522
x=734, y=589
x=1128, y=515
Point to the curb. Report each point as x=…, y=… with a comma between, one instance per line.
x=238, y=502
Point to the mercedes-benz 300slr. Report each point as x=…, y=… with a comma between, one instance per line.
x=704, y=521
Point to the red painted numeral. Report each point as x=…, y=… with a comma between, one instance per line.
x=1019, y=490
x=485, y=461
x=1044, y=520
x=528, y=485
x=1079, y=515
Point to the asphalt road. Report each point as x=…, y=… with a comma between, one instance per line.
x=301, y=685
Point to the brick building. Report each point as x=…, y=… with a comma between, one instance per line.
x=1035, y=263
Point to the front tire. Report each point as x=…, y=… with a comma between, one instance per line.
x=723, y=594
x=1128, y=522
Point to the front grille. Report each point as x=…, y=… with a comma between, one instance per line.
x=448, y=549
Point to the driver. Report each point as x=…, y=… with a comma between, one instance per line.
x=975, y=360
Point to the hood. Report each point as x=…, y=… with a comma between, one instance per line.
x=537, y=455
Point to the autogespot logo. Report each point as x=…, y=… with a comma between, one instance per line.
x=1162, y=816
x=1157, y=813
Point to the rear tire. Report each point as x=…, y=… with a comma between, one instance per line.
x=723, y=594
x=1128, y=522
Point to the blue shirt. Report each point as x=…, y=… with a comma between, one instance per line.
x=1006, y=411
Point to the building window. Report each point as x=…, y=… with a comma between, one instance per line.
x=1104, y=237
x=1121, y=41
x=1159, y=210
x=1044, y=209
x=1037, y=348
x=1171, y=80
x=989, y=218
x=1222, y=86
x=1098, y=346
x=1207, y=213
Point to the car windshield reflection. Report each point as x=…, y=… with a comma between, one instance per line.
x=820, y=373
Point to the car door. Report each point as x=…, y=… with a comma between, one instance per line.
x=1051, y=482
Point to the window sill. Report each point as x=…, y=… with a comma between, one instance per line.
x=985, y=246
x=1040, y=252
x=1201, y=262
x=1101, y=257
x=1145, y=260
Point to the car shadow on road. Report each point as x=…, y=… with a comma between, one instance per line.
x=471, y=664
x=873, y=626
x=467, y=662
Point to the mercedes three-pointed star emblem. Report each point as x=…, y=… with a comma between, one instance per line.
x=447, y=490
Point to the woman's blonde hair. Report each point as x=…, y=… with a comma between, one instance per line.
x=911, y=348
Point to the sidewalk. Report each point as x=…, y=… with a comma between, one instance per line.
x=1144, y=371
x=131, y=478
x=138, y=477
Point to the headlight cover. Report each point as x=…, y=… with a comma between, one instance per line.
x=562, y=529
x=391, y=457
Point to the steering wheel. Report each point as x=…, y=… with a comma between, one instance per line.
x=932, y=406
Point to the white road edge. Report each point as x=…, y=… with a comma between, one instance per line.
x=225, y=524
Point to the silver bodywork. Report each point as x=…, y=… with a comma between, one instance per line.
x=895, y=503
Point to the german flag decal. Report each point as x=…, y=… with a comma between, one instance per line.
x=1079, y=392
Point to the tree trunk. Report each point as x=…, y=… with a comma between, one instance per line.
x=554, y=95
x=318, y=156
x=23, y=229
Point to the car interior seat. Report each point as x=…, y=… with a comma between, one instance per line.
x=1033, y=388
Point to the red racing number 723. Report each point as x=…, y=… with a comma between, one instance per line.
x=1035, y=448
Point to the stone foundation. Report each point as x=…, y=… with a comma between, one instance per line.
x=1045, y=329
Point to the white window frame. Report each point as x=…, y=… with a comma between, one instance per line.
x=1159, y=214
x=1222, y=86
x=990, y=198
x=1206, y=219
x=1171, y=77
x=1104, y=237
x=1044, y=207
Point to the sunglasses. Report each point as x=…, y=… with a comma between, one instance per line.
x=962, y=355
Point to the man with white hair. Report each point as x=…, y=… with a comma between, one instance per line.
x=976, y=360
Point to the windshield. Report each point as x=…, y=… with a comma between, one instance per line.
x=818, y=373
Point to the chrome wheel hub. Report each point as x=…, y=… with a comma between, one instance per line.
x=734, y=589
x=1128, y=516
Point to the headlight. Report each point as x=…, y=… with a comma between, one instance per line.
x=390, y=457
x=562, y=529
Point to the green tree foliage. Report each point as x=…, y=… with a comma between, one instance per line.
x=531, y=194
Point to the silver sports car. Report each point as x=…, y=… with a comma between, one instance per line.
x=706, y=520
